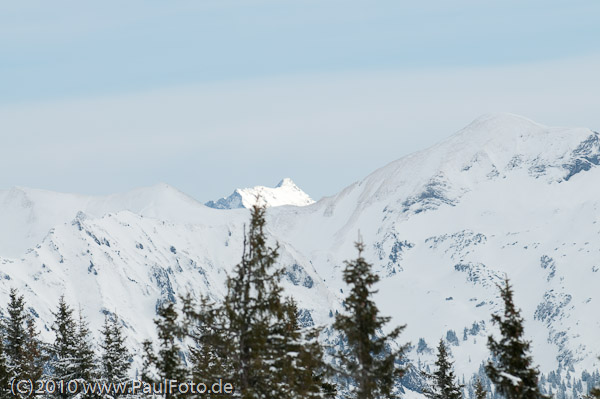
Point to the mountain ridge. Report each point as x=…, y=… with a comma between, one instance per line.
x=441, y=227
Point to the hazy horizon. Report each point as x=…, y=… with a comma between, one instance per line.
x=212, y=96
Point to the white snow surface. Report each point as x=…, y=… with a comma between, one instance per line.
x=504, y=196
x=286, y=192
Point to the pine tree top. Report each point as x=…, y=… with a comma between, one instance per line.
x=444, y=380
x=369, y=359
x=512, y=371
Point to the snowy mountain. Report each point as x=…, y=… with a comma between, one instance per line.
x=504, y=196
x=28, y=214
x=284, y=193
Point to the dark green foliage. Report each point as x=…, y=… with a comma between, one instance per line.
x=208, y=354
x=268, y=354
x=299, y=361
x=21, y=355
x=4, y=375
x=16, y=334
x=444, y=381
x=64, y=348
x=85, y=359
x=370, y=362
x=480, y=392
x=512, y=372
x=34, y=359
x=72, y=355
x=115, y=355
x=252, y=308
x=169, y=363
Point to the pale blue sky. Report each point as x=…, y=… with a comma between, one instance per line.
x=210, y=95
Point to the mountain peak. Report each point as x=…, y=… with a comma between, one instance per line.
x=286, y=192
x=502, y=126
x=503, y=118
x=286, y=182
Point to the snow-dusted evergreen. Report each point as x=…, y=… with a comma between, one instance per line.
x=511, y=367
x=443, y=381
x=368, y=359
x=71, y=352
x=115, y=355
x=169, y=361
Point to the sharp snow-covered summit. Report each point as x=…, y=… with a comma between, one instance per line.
x=442, y=226
x=284, y=193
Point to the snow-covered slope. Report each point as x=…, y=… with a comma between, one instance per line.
x=504, y=196
x=284, y=193
x=26, y=215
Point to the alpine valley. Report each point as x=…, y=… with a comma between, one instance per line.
x=503, y=196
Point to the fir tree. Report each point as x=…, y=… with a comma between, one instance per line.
x=35, y=358
x=299, y=361
x=445, y=386
x=169, y=362
x=4, y=374
x=64, y=348
x=480, y=392
x=22, y=357
x=85, y=359
x=268, y=354
x=208, y=355
x=512, y=372
x=115, y=355
x=370, y=362
x=16, y=335
x=253, y=311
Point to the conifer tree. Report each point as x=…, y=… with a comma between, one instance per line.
x=299, y=361
x=268, y=354
x=512, y=371
x=480, y=392
x=169, y=361
x=208, y=354
x=16, y=334
x=115, y=355
x=370, y=361
x=64, y=348
x=85, y=358
x=35, y=356
x=4, y=375
x=22, y=355
x=445, y=386
x=254, y=340
x=253, y=311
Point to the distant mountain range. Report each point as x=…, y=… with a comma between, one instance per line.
x=503, y=196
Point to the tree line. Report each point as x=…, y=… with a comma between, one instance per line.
x=70, y=357
x=253, y=340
